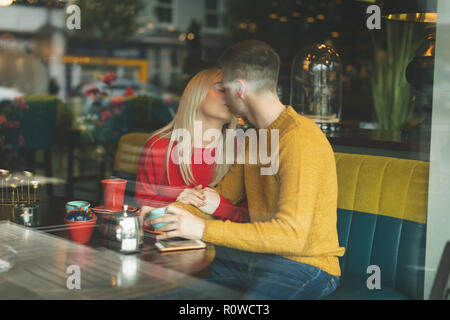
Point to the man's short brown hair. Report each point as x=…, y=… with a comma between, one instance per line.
x=254, y=61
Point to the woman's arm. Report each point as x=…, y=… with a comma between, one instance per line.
x=228, y=211
x=210, y=202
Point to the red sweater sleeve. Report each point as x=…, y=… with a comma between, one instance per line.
x=227, y=211
x=149, y=176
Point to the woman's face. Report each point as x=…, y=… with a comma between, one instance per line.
x=213, y=107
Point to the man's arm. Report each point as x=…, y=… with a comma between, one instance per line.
x=232, y=185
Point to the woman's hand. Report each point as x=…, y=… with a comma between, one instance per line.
x=212, y=201
x=206, y=199
x=181, y=224
x=193, y=196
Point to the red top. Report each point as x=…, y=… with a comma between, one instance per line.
x=153, y=188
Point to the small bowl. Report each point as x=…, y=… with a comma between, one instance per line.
x=81, y=231
x=77, y=206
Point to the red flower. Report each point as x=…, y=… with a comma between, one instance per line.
x=117, y=101
x=3, y=119
x=92, y=91
x=21, y=103
x=105, y=115
x=12, y=124
x=129, y=92
x=109, y=77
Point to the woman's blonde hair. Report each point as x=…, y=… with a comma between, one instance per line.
x=193, y=96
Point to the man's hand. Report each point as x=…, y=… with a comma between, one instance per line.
x=212, y=201
x=206, y=199
x=181, y=224
x=143, y=212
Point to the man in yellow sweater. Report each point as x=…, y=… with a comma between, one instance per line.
x=289, y=249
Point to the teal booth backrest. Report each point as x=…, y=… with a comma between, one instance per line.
x=37, y=124
x=382, y=219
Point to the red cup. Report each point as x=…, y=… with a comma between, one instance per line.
x=114, y=192
x=81, y=231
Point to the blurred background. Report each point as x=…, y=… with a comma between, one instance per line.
x=75, y=81
x=78, y=76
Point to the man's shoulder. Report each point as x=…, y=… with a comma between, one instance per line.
x=301, y=126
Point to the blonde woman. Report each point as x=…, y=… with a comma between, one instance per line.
x=160, y=180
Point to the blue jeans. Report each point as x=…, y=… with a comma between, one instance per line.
x=240, y=274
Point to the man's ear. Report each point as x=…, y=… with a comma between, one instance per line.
x=241, y=88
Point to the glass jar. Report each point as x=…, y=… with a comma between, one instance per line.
x=316, y=85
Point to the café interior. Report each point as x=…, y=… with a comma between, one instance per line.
x=83, y=84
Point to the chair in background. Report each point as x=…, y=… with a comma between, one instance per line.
x=127, y=161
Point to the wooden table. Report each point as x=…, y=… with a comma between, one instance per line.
x=43, y=256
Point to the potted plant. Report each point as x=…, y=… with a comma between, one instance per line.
x=392, y=94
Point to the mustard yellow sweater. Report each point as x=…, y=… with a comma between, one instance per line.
x=293, y=212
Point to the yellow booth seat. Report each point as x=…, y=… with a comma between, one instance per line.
x=382, y=212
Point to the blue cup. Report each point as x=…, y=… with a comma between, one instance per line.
x=156, y=213
x=77, y=206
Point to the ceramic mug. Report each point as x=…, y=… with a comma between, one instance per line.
x=77, y=206
x=114, y=193
x=156, y=213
